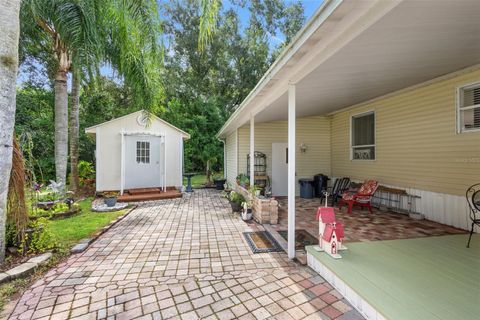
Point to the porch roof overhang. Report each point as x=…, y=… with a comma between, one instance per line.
x=355, y=51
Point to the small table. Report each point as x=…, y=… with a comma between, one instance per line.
x=189, y=181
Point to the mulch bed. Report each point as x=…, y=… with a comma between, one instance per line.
x=261, y=242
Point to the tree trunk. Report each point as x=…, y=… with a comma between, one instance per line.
x=10, y=29
x=61, y=127
x=74, y=131
x=208, y=173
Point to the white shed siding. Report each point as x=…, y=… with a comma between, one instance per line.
x=314, y=132
x=108, y=148
x=231, y=156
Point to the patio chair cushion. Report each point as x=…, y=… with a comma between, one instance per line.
x=364, y=193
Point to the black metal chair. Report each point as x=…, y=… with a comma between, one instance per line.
x=339, y=187
x=473, y=199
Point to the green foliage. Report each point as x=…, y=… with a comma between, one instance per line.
x=47, y=197
x=58, y=207
x=40, y=239
x=242, y=179
x=236, y=197
x=195, y=90
x=85, y=170
x=203, y=87
x=35, y=118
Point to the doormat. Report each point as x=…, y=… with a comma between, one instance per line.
x=261, y=242
x=302, y=238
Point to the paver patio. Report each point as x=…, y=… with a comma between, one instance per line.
x=181, y=259
x=361, y=225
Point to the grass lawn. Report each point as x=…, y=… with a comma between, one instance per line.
x=70, y=230
x=199, y=180
x=67, y=232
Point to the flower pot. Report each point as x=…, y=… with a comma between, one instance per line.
x=247, y=214
x=110, y=202
x=236, y=207
x=219, y=183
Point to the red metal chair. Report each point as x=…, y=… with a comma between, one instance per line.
x=361, y=198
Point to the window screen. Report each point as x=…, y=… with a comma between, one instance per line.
x=469, y=108
x=143, y=152
x=363, y=136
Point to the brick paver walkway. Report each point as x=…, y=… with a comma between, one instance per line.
x=181, y=259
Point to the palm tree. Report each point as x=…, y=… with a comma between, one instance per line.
x=62, y=28
x=81, y=34
x=74, y=129
x=10, y=26
x=208, y=21
x=128, y=40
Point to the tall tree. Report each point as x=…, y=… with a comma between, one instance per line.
x=60, y=27
x=203, y=86
x=74, y=129
x=83, y=34
x=128, y=41
x=9, y=35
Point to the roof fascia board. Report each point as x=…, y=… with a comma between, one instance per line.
x=92, y=128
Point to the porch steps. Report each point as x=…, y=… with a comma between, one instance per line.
x=148, y=194
x=144, y=191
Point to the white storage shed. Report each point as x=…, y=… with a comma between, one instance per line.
x=135, y=153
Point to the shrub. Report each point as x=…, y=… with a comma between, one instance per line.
x=38, y=238
x=86, y=171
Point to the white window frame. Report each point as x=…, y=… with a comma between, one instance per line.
x=374, y=145
x=143, y=158
x=459, y=109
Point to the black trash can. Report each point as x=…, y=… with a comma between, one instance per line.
x=306, y=188
x=320, y=184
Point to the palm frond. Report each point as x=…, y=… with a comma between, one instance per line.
x=208, y=21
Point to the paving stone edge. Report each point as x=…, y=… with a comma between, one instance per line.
x=24, y=268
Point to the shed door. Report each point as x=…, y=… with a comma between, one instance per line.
x=279, y=169
x=143, y=162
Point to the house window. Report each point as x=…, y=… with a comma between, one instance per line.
x=468, y=109
x=363, y=136
x=143, y=152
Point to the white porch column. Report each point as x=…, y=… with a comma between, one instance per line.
x=164, y=162
x=252, y=150
x=291, y=171
x=122, y=164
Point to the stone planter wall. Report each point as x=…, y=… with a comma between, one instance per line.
x=265, y=210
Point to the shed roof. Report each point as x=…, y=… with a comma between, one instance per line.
x=92, y=130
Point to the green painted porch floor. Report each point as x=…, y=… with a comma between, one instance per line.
x=425, y=278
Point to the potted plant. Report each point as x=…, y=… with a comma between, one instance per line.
x=236, y=201
x=110, y=198
x=227, y=187
x=254, y=190
x=242, y=180
x=219, y=182
x=247, y=211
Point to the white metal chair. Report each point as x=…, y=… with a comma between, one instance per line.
x=473, y=199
